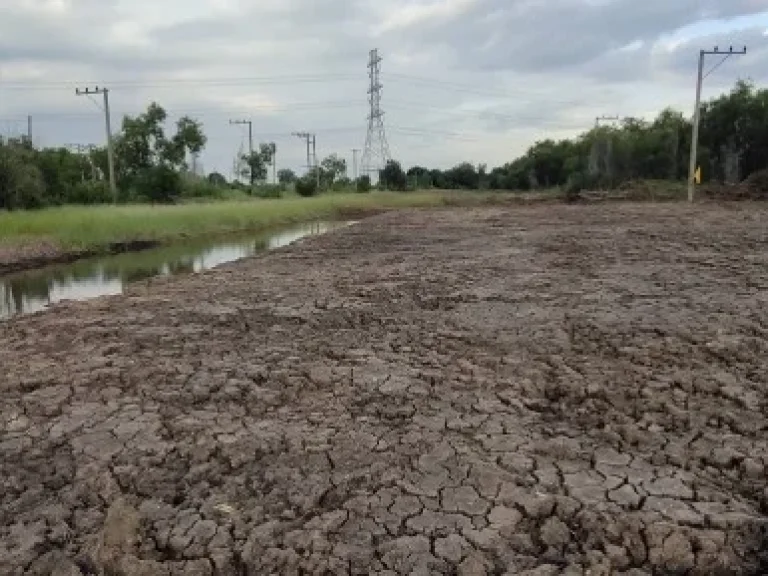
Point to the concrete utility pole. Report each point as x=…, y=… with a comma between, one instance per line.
x=29, y=130
x=85, y=149
x=314, y=156
x=697, y=109
x=250, y=142
x=311, y=156
x=273, y=150
x=108, y=122
x=355, y=152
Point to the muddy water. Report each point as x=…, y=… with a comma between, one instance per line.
x=34, y=290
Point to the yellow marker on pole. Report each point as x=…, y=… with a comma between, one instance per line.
x=697, y=175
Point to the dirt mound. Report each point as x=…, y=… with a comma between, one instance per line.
x=755, y=187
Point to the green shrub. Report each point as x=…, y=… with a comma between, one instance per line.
x=363, y=184
x=268, y=191
x=201, y=188
x=89, y=192
x=306, y=186
x=159, y=184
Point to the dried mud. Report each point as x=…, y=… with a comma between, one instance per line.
x=543, y=390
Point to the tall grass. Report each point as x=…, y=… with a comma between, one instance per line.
x=94, y=227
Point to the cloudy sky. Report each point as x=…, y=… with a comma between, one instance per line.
x=475, y=80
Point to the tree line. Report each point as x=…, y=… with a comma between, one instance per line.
x=733, y=143
x=153, y=165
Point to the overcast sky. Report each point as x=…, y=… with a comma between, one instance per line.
x=474, y=80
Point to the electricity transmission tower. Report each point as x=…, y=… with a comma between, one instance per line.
x=697, y=109
x=110, y=151
x=311, y=156
x=376, y=152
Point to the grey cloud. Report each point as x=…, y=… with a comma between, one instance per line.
x=556, y=34
x=553, y=67
x=683, y=58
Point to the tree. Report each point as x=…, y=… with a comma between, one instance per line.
x=146, y=156
x=217, y=179
x=286, y=176
x=392, y=176
x=256, y=164
x=332, y=168
x=306, y=186
x=363, y=183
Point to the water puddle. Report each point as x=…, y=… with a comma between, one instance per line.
x=34, y=290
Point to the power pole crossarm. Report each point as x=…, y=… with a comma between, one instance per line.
x=108, y=122
x=606, y=118
x=697, y=109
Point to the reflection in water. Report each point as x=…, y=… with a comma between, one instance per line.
x=32, y=291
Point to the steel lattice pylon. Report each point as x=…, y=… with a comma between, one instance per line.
x=376, y=151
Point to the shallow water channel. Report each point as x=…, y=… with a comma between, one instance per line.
x=34, y=290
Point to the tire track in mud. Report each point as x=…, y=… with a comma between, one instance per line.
x=545, y=390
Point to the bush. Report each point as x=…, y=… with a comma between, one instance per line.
x=192, y=187
x=363, y=184
x=89, y=192
x=159, y=184
x=306, y=186
x=268, y=191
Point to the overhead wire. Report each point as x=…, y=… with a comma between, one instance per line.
x=298, y=79
x=175, y=82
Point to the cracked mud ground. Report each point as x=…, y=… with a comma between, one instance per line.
x=543, y=390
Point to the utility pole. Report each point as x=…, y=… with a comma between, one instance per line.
x=311, y=140
x=697, y=109
x=376, y=153
x=29, y=130
x=110, y=151
x=605, y=118
x=273, y=151
x=314, y=156
x=85, y=149
x=355, y=151
x=250, y=143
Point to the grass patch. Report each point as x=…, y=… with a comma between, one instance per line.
x=97, y=227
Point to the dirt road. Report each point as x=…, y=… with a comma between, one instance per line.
x=543, y=390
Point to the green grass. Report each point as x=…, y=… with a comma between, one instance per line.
x=97, y=227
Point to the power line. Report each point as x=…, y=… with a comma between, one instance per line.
x=211, y=111
x=175, y=82
x=473, y=89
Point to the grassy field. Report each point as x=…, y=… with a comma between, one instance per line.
x=80, y=227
